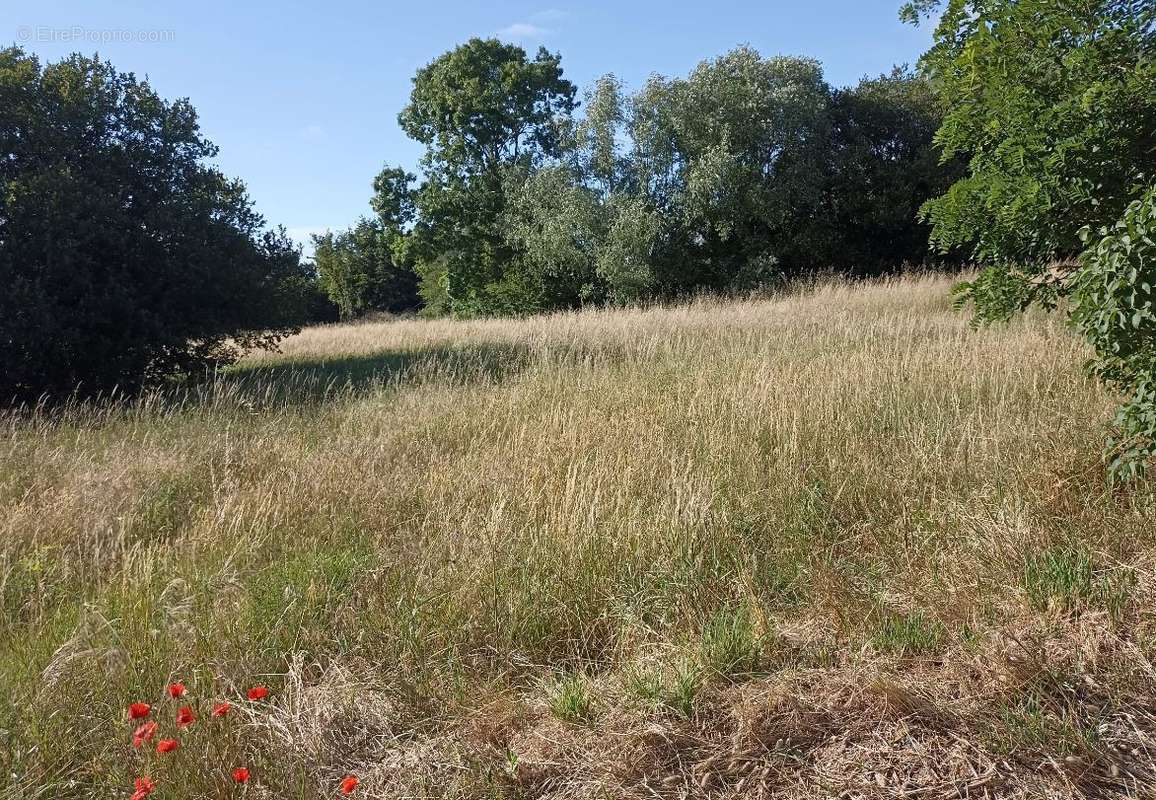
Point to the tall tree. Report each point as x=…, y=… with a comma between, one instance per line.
x=730, y=155
x=746, y=171
x=124, y=257
x=582, y=232
x=488, y=114
x=1051, y=102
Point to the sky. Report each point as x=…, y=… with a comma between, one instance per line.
x=302, y=98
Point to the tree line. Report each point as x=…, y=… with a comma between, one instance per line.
x=1023, y=143
x=747, y=172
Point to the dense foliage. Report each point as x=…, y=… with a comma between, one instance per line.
x=123, y=257
x=487, y=115
x=357, y=268
x=1113, y=306
x=748, y=171
x=366, y=268
x=1054, y=105
x=881, y=165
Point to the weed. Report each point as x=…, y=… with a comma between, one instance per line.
x=1031, y=725
x=730, y=643
x=672, y=687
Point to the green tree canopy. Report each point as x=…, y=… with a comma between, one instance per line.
x=879, y=166
x=1053, y=104
x=746, y=171
x=731, y=153
x=124, y=257
x=487, y=114
x=360, y=269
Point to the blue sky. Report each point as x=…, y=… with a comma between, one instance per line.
x=302, y=99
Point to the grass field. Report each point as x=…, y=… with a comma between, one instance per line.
x=828, y=544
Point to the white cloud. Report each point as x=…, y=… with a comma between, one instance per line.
x=539, y=25
x=521, y=31
x=550, y=15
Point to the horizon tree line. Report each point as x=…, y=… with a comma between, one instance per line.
x=745, y=173
x=1024, y=143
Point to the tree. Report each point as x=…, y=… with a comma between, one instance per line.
x=124, y=257
x=578, y=246
x=1053, y=103
x=488, y=115
x=557, y=225
x=357, y=269
x=880, y=165
x=730, y=155
x=747, y=171
x=596, y=139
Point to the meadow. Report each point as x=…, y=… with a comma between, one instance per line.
x=833, y=542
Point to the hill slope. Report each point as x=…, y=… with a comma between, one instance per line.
x=832, y=544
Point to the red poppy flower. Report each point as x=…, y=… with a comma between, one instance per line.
x=221, y=709
x=177, y=690
x=142, y=788
x=185, y=716
x=258, y=693
x=144, y=733
x=349, y=784
x=139, y=710
x=167, y=745
x=241, y=775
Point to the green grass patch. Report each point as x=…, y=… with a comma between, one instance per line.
x=1030, y=724
x=907, y=634
x=731, y=645
x=673, y=688
x=573, y=699
x=1070, y=579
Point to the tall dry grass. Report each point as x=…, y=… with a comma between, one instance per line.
x=724, y=549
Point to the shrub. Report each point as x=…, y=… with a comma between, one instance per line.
x=124, y=257
x=1113, y=307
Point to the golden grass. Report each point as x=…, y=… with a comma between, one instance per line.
x=823, y=542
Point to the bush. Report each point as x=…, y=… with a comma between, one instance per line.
x=1113, y=307
x=124, y=258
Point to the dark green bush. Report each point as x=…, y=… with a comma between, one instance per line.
x=124, y=257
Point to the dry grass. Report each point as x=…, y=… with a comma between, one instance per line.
x=835, y=543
